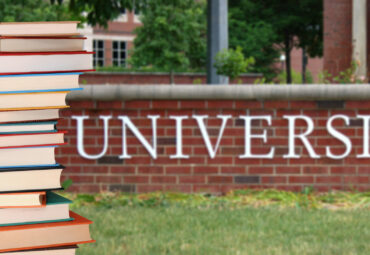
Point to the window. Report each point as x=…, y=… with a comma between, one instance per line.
x=136, y=16
x=119, y=53
x=98, y=47
x=122, y=17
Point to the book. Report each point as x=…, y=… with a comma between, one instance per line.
x=29, y=115
x=44, y=235
x=28, y=157
x=29, y=101
x=45, y=62
x=51, y=28
x=30, y=178
x=28, y=127
x=62, y=250
x=23, y=200
x=56, y=210
x=31, y=139
x=23, y=82
x=40, y=44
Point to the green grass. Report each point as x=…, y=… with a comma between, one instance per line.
x=243, y=222
x=180, y=230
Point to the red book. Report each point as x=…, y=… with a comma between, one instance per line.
x=45, y=235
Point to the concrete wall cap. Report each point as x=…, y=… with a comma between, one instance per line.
x=223, y=92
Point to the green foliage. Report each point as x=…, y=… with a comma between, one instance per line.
x=66, y=184
x=265, y=28
x=173, y=35
x=232, y=63
x=34, y=10
x=308, y=198
x=296, y=77
x=345, y=77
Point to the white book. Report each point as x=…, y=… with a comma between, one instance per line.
x=51, y=28
x=55, y=251
x=30, y=139
x=27, y=156
x=41, y=44
x=26, y=82
x=44, y=62
x=28, y=115
x=23, y=101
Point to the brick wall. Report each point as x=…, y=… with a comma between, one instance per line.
x=337, y=35
x=226, y=171
x=156, y=78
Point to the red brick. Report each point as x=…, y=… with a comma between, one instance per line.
x=192, y=179
x=301, y=179
x=328, y=179
x=163, y=104
x=136, y=179
x=248, y=104
x=205, y=170
x=163, y=179
x=138, y=104
x=220, y=179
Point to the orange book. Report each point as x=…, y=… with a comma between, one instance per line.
x=23, y=200
x=45, y=235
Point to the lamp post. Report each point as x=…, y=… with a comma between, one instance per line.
x=217, y=37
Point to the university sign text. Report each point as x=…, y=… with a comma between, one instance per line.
x=292, y=137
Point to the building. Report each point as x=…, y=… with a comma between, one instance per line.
x=113, y=43
x=345, y=35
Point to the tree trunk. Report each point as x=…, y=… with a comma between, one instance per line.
x=172, y=77
x=288, y=69
x=304, y=65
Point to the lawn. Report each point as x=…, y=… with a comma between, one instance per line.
x=237, y=224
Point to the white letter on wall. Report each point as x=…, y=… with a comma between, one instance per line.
x=365, y=153
x=127, y=122
x=302, y=137
x=179, y=153
x=248, y=137
x=203, y=131
x=344, y=139
x=80, y=136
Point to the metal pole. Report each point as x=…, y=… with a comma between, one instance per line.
x=217, y=37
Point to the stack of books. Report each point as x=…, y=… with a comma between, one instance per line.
x=39, y=65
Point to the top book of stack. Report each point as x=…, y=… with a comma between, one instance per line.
x=56, y=28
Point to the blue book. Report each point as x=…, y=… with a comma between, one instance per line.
x=56, y=210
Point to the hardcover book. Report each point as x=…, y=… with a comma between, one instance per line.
x=45, y=62
x=32, y=82
x=40, y=44
x=28, y=157
x=56, y=210
x=62, y=250
x=53, y=28
x=23, y=200
x=30, y=178
x=29, y=115
x=45, y=235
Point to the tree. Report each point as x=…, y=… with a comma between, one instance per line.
x=277, y=26
x=249, y=29
x=232, y=63
x=172, y=37
x=33, y=10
